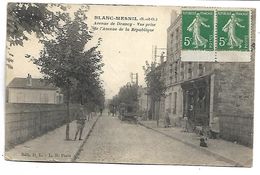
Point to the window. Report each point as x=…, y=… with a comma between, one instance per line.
x=175, y=75
x=189, y=73
x=170, y=101
x=182, y=75
x=201, y=69
x=171, y=68
x=171, y=71
x=171, y=38
x=174, y=102
x=182, y=66
x=177, y=33
x=171, y=80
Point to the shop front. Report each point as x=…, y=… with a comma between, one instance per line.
x=196, y=101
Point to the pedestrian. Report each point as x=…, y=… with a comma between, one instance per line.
x=81, y=118
x=113, y=111
x=167, y=122
x=185, y=124
x=214, y=130
x=101, y=111
x=203, y=138
x=189, y=118
x=89, y=115
x=203, y=141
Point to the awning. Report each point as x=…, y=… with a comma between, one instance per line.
x=196, y=83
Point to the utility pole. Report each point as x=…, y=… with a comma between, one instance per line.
x=155, y=54
x=134, y=78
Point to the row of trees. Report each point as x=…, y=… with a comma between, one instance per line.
x=66, y=60
x=127, y=95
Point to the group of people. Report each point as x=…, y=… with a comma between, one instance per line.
x=213, y=131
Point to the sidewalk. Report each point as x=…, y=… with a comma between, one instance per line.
x=52, y=146
x=229, y=152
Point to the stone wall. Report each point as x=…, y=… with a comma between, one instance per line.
x=26, y=121
x=234, y=101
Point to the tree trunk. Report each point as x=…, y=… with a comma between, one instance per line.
x=68, y=117
x=81, y=98
x=152, y=110
x=158, y=114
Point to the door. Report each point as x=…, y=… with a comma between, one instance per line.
x=196, y=101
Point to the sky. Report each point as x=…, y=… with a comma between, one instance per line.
x=123, y=52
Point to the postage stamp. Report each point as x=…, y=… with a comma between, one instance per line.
x=218, y=35
x=233, y=30
x=198, y=30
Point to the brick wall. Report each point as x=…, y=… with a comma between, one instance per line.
x=26, y=121
x=234, y=101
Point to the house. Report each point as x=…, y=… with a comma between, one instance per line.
x=33, y=90
x=222, y=91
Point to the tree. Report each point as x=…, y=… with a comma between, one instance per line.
x=89, y=95
x=127, y=95
x=66, y=63
x=25, y=19
x=155, y=84
x=114, y=104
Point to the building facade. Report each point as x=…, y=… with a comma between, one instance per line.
x=32, y=90
x=208, y=92
x=144, y=102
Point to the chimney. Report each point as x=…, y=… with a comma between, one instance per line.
x=173, y=16
x=29, y=80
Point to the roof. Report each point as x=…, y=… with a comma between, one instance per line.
x=172, y=25
x=37, y=83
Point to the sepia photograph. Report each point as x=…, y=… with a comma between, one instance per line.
x=130, y=84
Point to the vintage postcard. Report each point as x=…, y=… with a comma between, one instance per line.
x=130, y=84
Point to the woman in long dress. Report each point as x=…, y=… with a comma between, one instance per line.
x=230, y=28
x=194, y=27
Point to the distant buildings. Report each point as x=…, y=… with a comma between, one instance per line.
x=32, y=90
x=143, y=101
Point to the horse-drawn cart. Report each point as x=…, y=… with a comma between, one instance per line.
x=128, y=112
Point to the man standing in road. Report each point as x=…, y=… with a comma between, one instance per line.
x=167, y=122
x=81, y=118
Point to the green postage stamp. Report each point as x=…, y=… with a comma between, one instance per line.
x=233, y=30
x=198, y=30
x=216, y=34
